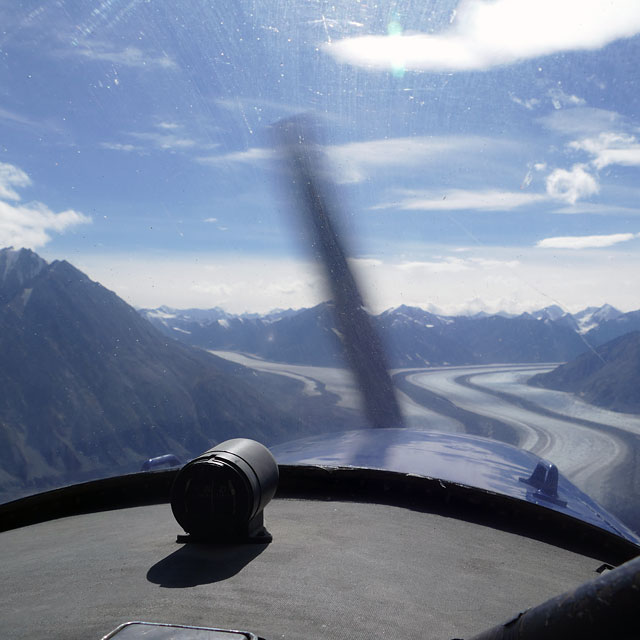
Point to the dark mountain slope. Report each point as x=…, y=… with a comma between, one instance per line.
x=520, y=339
x=304, y=337
x=609, y=378
x=89, y=387
x=416, y=338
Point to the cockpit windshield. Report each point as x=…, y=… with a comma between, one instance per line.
x=484, y=156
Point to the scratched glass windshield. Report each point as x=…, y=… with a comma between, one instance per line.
x=483, y=159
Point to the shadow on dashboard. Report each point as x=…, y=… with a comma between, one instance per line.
x=194, y=564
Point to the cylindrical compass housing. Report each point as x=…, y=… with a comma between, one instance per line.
x=220, y=494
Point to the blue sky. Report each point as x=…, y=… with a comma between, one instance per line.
x=486, y=155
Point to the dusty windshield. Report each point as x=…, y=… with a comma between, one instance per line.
x=485, y=159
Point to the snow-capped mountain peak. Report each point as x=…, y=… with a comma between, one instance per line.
x=592, y=317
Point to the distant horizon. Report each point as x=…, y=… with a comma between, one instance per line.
x=141, y=284
x=277, y=310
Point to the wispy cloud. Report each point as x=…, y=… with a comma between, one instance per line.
x=585, y=242
x=605, y=136
x=118, y=146
x=351, y=160
x=249, y=156
x=257, y=105
x=170, y=126
x=6, y=114
x=582, y=120
x=164, y=141
x=610, y=148
x=486, y=34
x=572, y=185
x=217, y=224
x=127, y=56
x=597, y=208
x=28, y=225
x=165, y=136
x=453, y=264
x=455, y=199
x=10, y=177
x=354, y=162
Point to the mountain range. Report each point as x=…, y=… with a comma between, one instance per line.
x=90, y=388
x=598, y=342
x=413, y=336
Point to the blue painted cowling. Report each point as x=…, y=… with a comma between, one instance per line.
x=467, y=460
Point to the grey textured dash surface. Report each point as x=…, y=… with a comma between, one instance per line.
x=334, y=570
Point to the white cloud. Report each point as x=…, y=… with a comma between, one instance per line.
x=257, y=105
x=249, y=156
x=582, y=120
x=117, y=146
x=452, y=264
x=571, y=185
x=164, y=140
x=597, y=208
x=167, y=137
x=486, y=34
x=10, y=177
x=628, y=157
x=487, y=200
x=129, y=56
x=5, y=114
x=585, y=242
x=217, y=224
x=29, y=225
x=610, y=148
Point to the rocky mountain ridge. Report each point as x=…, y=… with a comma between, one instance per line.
x=414, y=337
